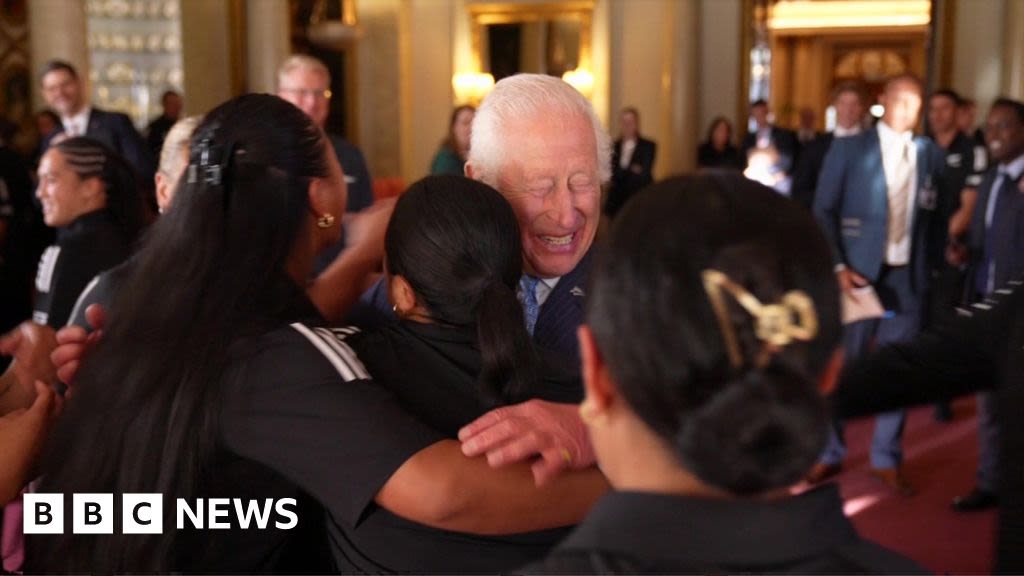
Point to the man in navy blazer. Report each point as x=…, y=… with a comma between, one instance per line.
x=877, y=196
x=996, y=256
x=62, y=90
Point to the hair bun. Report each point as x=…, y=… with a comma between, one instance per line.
x=763, y=430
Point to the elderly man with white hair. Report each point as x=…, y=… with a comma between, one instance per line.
x=537, y=140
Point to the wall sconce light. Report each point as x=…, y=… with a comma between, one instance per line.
x=334, y=34
x=471, y=87
x=581, y=79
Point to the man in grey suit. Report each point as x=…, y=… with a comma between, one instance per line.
x=876, y=199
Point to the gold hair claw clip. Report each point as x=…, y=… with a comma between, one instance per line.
x=777, y=325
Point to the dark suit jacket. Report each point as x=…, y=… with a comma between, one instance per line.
x=980, y=349
x=852, y=205
x=1012, y=248
x=783, y=140
x=629, y=181
x=808, y=167
x=118, y=133
x=562, y=314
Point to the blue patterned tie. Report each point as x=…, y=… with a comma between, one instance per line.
x=531, y=308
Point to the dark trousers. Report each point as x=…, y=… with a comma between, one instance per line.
x=901, y=323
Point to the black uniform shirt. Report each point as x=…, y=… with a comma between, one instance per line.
x=646, y=533
x=964, y=169
x=86, y=247
x=432, y=370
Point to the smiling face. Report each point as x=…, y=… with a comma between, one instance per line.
x=63, y=194
x=552, y=181
x=1004, y=134
x=62, y=92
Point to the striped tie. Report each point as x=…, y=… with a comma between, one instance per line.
x=531, y=309
x=899, y=197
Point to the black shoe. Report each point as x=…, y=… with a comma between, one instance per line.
x=943, y=412
x=977, y=500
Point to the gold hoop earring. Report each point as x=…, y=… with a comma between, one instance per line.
x=325, y=221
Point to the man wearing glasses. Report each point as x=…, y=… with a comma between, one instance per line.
x=305, y=82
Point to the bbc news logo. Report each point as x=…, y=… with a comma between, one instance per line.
x=143, y=514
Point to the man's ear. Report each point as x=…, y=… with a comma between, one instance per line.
x=597, y=381
x=467, y=169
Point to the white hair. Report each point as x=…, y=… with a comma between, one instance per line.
x=301, y=62
x=172, y=162
x=525, y=97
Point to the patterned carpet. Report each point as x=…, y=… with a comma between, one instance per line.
x=939, y=461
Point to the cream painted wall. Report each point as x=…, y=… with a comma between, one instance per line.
x=426, y=82
x=720, y=34
x=978, y=57
x=267, y=42
x=206, y=53
x=654, y=62
x=56, y=30
x=379, y=107
x=1013, y=50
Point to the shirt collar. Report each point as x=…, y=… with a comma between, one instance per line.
x=81, y=120
x=841, y=132
x=716, y=532
x=886, y=133
x=1013, y=168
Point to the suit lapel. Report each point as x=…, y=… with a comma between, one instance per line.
x=880, y=188
x=562, y=312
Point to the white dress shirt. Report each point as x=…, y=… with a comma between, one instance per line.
x=78, y=124
x=626, y=154
x=841, y=132
x=898, y=253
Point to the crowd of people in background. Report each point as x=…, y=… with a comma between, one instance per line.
x=472, y=378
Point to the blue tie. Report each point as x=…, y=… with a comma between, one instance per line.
x=996, y=235
x=531, y=308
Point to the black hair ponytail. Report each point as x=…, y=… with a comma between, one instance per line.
x=509, y=369
x=456, y=241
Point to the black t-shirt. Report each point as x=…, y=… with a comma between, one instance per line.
x=646, y=533
x=301, y=403
x=432, y=371
x=964, y=168
x=89, y=245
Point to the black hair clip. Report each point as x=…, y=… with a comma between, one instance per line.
x=208, y=160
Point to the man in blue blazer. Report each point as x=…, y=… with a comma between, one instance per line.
x=62, y=89
x=877, y=196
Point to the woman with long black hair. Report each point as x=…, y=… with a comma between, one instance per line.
x=214, y=379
